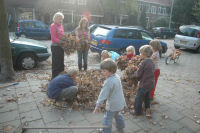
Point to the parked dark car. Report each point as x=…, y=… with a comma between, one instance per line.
x=141, y=28
x=163, y=32
x=114, y=38
x=32, y=29
x=26, y=53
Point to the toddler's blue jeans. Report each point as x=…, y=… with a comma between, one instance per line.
x=108, y=121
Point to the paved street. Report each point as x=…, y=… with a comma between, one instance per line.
x=178, y=110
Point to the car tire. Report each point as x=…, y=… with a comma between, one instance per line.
x=198, y=50
x=164, y=37
x=176, y=47
x=27, y=61
x=23, y=35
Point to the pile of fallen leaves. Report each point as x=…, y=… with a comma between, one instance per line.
x=129, y=83
x=122, y=62
x=90, y=82
x=69, y=43
x=132, y=66
x=83, y=44
x=89, y=86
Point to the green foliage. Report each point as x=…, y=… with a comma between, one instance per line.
x=196, y=11
x=182, y=12
x=113, y=8
x=142, y=20
x=162, y=22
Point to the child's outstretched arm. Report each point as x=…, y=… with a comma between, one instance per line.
x=105, y=91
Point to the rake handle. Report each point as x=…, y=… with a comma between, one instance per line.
x=72, y=127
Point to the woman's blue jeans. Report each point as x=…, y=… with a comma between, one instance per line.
x=108, y=121
x=82, y=55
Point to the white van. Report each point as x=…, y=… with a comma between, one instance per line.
x=188, y=37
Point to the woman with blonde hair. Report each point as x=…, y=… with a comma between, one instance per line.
x=57, y=31
x=83, y=38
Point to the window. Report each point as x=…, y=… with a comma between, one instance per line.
x=123, y=1
x=82, y=2
x=186, y=31
x=27, y=24
x=120, y=34
x=163, y=11
x=153, y=10
x=146, y=36
x=140, y=7
x=126, y=34
x=101, y=31
x=40, y=25
x=159, y=10
x=148, y=9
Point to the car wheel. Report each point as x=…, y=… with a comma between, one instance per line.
x=27, y=61
x=198, y=50
x=168, y=60
x=160, y=53
x=176, y=47
x=164, y=36
x=23, y=35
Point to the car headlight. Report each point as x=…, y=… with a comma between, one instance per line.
x=48, y=50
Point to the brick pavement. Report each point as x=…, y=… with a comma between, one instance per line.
x=177, y=111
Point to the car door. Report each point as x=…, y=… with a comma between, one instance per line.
x=145, y=38
x=119, y=39
x=43, y=30
x=38, y=30
x=29, y=28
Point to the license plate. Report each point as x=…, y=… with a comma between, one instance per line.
x=94, y=42
x=184, y=42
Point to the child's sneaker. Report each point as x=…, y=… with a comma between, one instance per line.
x=120, y=130
x=148, y=113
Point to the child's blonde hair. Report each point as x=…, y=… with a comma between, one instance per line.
x=105, y=53
x=131, y=49
x=146, y=50
x=57, y=15
x=155, y=44
x=109, y=64
x=71, y=72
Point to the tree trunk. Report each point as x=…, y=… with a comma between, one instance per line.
x=6, y=66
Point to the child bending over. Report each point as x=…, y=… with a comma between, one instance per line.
x=109, y=54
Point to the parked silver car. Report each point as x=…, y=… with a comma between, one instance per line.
x=188, y=37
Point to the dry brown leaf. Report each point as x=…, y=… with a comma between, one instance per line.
x=7, y=129
x=12, y=99
x=198, y=121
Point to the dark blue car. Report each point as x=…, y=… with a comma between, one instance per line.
x=32, y=29
x=115, y=38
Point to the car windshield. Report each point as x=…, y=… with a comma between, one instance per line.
x=146, y=36
x=186, y=31
x=101, y=31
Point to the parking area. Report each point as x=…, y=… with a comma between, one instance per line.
x=177, y=95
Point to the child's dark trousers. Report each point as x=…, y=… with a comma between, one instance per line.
x=142, y=96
